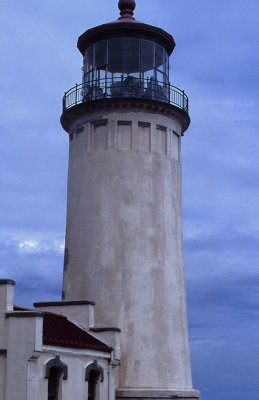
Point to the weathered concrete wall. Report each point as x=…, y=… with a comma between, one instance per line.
x=124, y=240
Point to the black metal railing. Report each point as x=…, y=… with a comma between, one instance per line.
x=130, y=87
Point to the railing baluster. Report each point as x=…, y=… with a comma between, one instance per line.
x=76, y=95
x=64, y=101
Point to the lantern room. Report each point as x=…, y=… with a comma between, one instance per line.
x=126, y=66
x=126, y=59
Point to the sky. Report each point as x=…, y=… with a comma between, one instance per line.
x=216, y=61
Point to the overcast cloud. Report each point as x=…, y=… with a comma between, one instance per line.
x=217, y=62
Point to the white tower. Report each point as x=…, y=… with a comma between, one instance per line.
x=124, y=246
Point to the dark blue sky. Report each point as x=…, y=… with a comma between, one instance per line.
x=217, y=62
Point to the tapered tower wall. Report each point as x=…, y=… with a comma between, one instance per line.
x=124, y=245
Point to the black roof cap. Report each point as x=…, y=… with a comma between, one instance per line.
x=125, y=25
x=117, y=29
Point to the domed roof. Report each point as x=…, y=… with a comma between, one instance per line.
x=125, y=25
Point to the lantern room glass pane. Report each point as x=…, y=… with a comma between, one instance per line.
x=160, y=76
x=147, y=73
x=131, y=70
x=88, y=77
x=131, y=51
x=147, y=53
x=166, y=65
x=101, y=54
x=160, y=57
x=115, y=51
x=89, y=59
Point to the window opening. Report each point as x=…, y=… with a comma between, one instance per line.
x=54, y=384
x=56, y=371
x=92, y=385
x=94, y=375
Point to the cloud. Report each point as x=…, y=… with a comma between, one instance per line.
x=28, y=245
x=36, y=266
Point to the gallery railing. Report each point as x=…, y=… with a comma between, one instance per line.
x=130, y=87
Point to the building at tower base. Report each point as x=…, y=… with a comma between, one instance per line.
x=54, y=352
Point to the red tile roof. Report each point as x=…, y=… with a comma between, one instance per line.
x=59, y=331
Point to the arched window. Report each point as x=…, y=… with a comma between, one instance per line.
x=54, y=386
x=56, y=370
x=94, y=375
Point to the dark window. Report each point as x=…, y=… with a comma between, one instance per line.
x=94, y=375
x=56, y=371
x=92, y=384
x=54, y=384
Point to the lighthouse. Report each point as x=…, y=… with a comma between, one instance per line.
x=124, y=239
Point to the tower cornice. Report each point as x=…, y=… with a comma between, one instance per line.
x=119, y=104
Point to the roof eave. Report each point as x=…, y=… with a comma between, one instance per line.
x=119, y=29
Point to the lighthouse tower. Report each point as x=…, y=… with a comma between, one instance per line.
x=124, y=246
